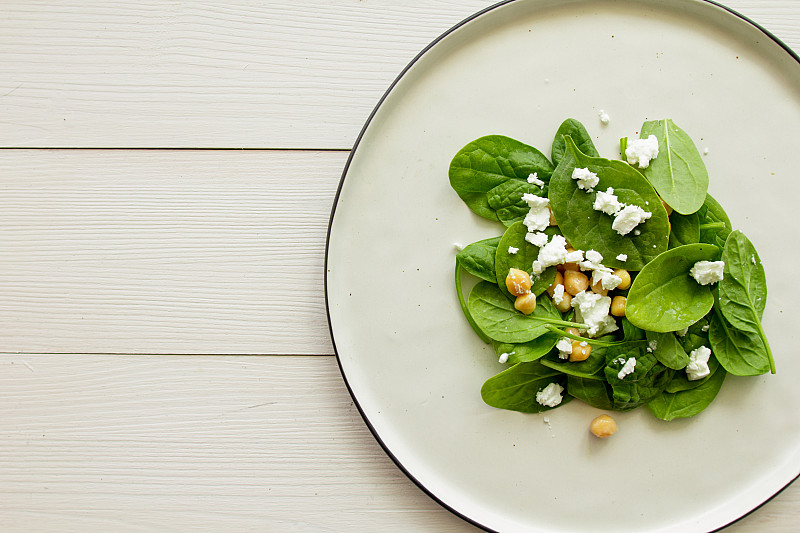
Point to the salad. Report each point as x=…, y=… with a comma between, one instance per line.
x=618, y=282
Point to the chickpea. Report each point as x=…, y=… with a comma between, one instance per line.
x=603, y=426
x=598, y=288
x=567, y=267
x=573, y=331
x=625, y=276
x=575, y=282
x=667, y=207
x=525, y=303
x=558, y=281
x=580, y=351
x=518, y=282
x=618, y=304
x=566, y=303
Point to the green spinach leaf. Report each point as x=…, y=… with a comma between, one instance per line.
x=678, y=173
x=506, y=200
x=592, y=391
x=680, y=381
x=588, y=368
x=715, y=226
x=490, y=161
x=588, y=229
x=526, y=352
x=579, y=135
x=668, y=350
x=685, y=229
x=664, y=296
x=742, y=353
x=648, y=379
x=515, y=388
x=669, y=406
x=478, y=258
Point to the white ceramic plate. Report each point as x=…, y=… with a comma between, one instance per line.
x=413, y=365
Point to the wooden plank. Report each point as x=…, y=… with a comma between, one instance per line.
x=165, y=251
x=235, y=74
x=166, y=443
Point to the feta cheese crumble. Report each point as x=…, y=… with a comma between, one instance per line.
x=586, y=179
x=512, y=250
x=607, y=202
x=628, y=218
x=592, y=310
x=622, y=257
x=537, y=238
x=534, y=179
x=552, y=253
x=641, y=151
x=604, y=118
x=558, y=294
x=538, y=218
x=627, y=368
x=564, y=346
x=550, y=396
x=594, y=256
x=707, y=272
x=503, y=359
x=698, y=364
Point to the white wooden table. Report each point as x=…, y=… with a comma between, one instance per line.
x=166, y=359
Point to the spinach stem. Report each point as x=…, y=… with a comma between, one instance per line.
x=766, y=345
x=465, y=309
x=712, y=225
x=598, y=342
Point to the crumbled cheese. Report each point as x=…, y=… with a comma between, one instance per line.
x=698, y=364
x=504, y=357
x=534, y=179
x=558, y=294
x=627, y=368
x=574, y=257
x=704, y=328
x=594, y=257
x=604, y=118
x=538, y=218
x=705, y=151
x=458, y=246
x=536, y=238
x=628, y=218
x=564, y=346
x=586, y=178
x=641, y=151
x=637, y=232
x=512, y=250
x=592, y=309
x=550, y=396
x=607, y=202
x=622, y=257
x=682, y=332
x=552, y=253
x=610, y=281
x=652, y=346
x=707, y=272
x=607, y=325
x=753, y=259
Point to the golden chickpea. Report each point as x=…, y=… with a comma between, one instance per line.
x=575, y=282
x=573, y=331
x=518, y=282
x=618, y=304
x=667, y=207
x=598, y=288
x=525, y=303
x=567, y=267
x=566, y=303
x=603, y=426
x=580, y=351
x=558, y=281
x=625, y=276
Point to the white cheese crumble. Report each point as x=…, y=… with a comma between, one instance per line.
x=622, y=257
x=574, y=257
x=586, y=178
x=512, y=250
x=558, y=294
x=698, y=364
x=537, y=238
x=604, y=118
x=552, y=253
x=682, y=332
x=594, y=256
x=641, y=151
x=627, y=368
x=564, y=346
x=628, y=218
x=707, y=272
x=607, y=202
x=504, y=357
x=652, y=346
x=704, y=328
x=592, y=309
x=534, y=179
x=550, y=396
x=458, y=246
x=538, y=218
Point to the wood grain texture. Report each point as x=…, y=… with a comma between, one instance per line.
x=166, y=443
x=165, y=251
x=241, y=73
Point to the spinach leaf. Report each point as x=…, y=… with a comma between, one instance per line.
x=648, y=379
x=465, y=308
x=594, y=392
x=680, y=381
x=588, y=368
x=515, y=388
x=495, y=315
x=664, y=297
x=715, y=226
x=742, y=353
x=478, y=258
x=668, y=406
x=668, y=350
x=526, y=352
x=678, y=173
x=490, y=161
x=578, y=133
x=631, y=332
x=522, y=260
x=743, y=289
x=506, y=200
x=685, y=229
x=588, y=229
